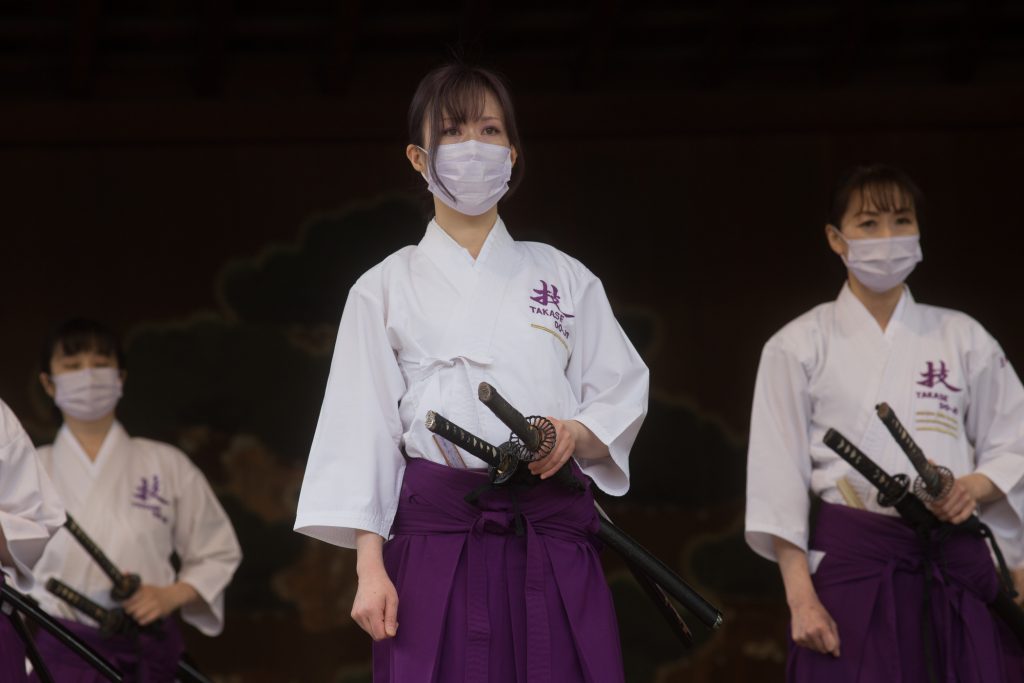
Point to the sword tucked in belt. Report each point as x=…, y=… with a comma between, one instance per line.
x=533, y=438
x=894, y=491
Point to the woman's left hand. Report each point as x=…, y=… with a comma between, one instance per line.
x=957, y=505
x=150, y=603
x=567, y=432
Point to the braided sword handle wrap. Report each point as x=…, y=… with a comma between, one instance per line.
x=125, y=585
x=934, y=481
x=111, y=621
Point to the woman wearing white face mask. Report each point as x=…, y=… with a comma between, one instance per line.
x=856, y=585
x=456, y=593
x=141, y=501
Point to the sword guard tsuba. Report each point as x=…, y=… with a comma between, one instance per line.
x=890, y=498
x=546, y=430
x=508, y=454
x=947, y=479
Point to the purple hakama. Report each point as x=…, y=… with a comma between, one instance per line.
x=144, y=659
x=12, y=653
x=477, y=602
x=872, y=582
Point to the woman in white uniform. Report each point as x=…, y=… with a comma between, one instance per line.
x=456, y=594
x=141, y=501
x=30, y=513
x=855, y=587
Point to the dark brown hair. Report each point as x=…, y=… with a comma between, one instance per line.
x=457, y=92
x=78, y=335
x=883, y=186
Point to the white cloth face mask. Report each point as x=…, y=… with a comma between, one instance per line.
x=476, y=173
x=88, y=394
x=882, y=263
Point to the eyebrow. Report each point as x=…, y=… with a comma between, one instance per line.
x=875, y=213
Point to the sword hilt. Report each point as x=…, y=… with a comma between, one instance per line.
x=934, y=481
x=111, y=621
x=891, y=490
x=125, y=585
x=535, y=434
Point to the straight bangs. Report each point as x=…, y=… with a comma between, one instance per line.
x=78, y=336
x=885, y=196
x=881, y=187
x=456, y=94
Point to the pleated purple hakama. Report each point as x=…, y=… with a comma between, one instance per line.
x=477, y=602
x=12, y=653
x=145, y=659
x=872, y=582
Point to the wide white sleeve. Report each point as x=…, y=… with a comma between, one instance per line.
x=30, y=509
x=995, y=425
x=205, y=542
x=354, y=472
x=778, y=455
x=611, y=383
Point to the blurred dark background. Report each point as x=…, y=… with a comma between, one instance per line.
x=210, y=176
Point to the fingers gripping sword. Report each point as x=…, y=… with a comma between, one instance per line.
x=935, y=482
x=659, y=578
x=125, y=585
x=894, y=491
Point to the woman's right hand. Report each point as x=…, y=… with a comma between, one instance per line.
x=814, y=628
x=375, y=607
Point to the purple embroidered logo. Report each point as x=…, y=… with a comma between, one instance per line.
x=148, y=491
x=933, y=376
x=547, y=295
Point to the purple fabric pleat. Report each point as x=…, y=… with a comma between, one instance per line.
x=872, y=582
x=12, y=653
x=477, y=602
x=145, y=659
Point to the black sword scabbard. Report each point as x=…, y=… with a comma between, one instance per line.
x=934, y=481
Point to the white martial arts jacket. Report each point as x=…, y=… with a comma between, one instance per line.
x=30, y=510
x=944, y=376
x=422, y=329
x=140, y=501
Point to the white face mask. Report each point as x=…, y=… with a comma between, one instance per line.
x=88, y=394
x=883, y=263
x=477, y=174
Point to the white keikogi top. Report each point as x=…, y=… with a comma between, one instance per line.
x=140, y=501
x=422, y=329
x=30, y=509
x=944, y=376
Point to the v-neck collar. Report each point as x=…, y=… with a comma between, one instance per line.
x=115, y=435
x=440, y=246
x=855, y=319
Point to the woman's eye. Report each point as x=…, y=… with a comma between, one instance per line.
x=868, y=224
x=491, y=130
x=903, y=221
x=450, y=131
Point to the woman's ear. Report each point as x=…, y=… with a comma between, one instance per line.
x=417, y=157
x=513, y=153
x=48, y=386
x=835, y=240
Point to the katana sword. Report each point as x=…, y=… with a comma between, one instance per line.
x=893, y=491
x=934, y=481
x=646, y=563
x=117, y=622
x=125, y=585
